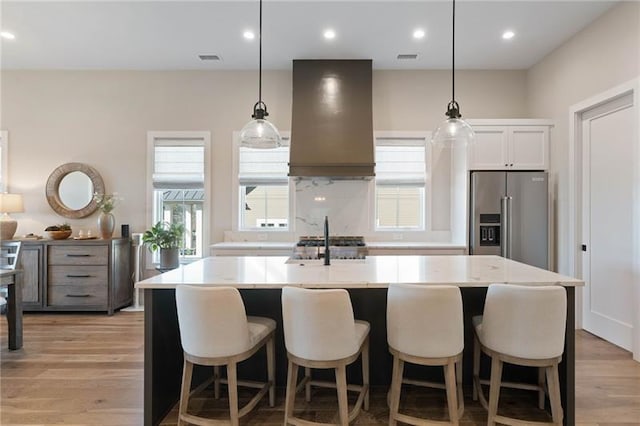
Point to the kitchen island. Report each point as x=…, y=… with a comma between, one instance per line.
x=260, y=280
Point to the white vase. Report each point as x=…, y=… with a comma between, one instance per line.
x=106, y=225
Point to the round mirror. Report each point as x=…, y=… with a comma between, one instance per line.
x=70, y=190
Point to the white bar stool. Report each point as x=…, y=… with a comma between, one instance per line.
x=320, y=332
x=523, y=325
x=425, y=326
x=215, y=331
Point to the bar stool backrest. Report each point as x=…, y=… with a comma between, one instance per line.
x=425, y=321
x=212, y=321
x=318, y=324
x=9, y=254
x=525, y=321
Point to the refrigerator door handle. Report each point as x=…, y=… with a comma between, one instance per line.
x=504, y=226
x=510, y=230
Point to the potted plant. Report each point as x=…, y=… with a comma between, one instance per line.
x=166, y=237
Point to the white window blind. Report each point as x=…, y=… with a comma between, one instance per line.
x=400, y=162
x=263, y=166
x=178, y=164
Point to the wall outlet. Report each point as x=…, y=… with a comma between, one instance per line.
x=397, y=236
x=262, y=237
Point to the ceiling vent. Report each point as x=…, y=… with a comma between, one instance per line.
x=408, y=56
x=209, y=57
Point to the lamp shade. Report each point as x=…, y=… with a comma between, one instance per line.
x=453, y=131
x=261, y=134
x=11, y=203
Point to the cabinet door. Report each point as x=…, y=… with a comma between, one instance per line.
x=489, y=152
x=31, y=265
x=529, y=148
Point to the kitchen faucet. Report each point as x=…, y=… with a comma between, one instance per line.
x=327, y=254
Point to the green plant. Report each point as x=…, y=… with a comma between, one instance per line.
x=63, y=227
x=106, y=202
x=164, y=235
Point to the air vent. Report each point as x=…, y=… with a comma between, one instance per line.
x=408, y=56
x=209, y=57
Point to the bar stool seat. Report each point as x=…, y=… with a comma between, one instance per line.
x=425, y=327
x=522, y=325
x=215, y=331
x=320, y=332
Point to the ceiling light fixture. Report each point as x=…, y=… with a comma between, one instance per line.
x=454, y=130
x=419, y=34
x=260, y=133
x=7, y=35
x=508, y=35
x=329, y=34
x=249, y=35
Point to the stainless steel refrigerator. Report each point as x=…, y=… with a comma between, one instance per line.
x=509, y=216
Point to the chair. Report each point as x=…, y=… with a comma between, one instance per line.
x=523, y=325
x=320, y=332
x=9, y=259
x=425, y=326
x=215, y=331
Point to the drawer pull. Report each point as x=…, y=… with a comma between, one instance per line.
x=78, y=276
x=78, y=295
x=77, y=255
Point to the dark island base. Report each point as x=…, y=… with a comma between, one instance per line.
x=163, y=353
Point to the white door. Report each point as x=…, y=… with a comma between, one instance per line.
x=608, y=146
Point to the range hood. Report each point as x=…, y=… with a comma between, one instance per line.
x=332, y=124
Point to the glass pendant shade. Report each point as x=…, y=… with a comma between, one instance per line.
x=260, y=134
x=453, y=131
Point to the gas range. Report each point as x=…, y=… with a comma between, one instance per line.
x=340, y=246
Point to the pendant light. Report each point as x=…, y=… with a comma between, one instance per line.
x=260, y=133
x=454, y=130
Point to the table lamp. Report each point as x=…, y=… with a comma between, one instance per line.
x=9, y=203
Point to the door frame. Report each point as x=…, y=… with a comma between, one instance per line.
x=575, y=194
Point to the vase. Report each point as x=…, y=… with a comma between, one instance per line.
x=169, y=258
x=106, y=225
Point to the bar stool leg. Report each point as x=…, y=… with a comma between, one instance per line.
x=290, y=397
x=365, y=373
x=450, y=384
x=396, y=384
x=459, y=388
x=271, y=371
x=476, y=367
x=343, y=403
x=307, y=387
x=541, y=373
x=232, y=384
x=187, y=371
x=216, y=382
x=494, y=390
x=553, y=382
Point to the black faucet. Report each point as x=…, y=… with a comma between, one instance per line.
x=327, y=254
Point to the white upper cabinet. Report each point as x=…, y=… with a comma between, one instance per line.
x=510, y=145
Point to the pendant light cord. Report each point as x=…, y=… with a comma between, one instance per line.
x=453, y=55
x=260, y=61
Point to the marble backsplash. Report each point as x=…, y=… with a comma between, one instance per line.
x=345, y=202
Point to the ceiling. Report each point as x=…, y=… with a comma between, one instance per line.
x=171, y=34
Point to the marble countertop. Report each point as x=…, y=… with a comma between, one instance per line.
x=240, y=245
x=373, y=272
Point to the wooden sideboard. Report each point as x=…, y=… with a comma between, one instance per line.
x=74, y=275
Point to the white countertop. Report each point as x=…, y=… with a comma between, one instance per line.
x=374, y=272
x=241, y=245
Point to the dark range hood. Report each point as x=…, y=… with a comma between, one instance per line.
x=332, y=124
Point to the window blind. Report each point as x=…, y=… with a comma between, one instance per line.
x=263, y=167
x=178, y=164
x=400, y=162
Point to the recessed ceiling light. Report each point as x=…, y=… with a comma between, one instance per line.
x=329, y=34
x=249, y=35
x=418, y=34
x=7, y=35
x=508, y=35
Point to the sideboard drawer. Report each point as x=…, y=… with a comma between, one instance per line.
x=78, y=275
x=78, y=255
x=77, y=295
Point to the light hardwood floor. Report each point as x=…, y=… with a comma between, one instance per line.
x=86, y=369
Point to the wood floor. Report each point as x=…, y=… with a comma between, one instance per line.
x=86, y=369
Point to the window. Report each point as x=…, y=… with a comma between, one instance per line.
x=263, y=202
x=4, y=161
x=400, y=183
x=179, y=185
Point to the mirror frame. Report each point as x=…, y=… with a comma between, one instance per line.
x=53, y=184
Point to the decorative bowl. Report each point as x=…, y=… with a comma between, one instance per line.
x=59, y=235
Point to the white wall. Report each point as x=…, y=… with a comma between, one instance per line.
x=101, y=118
x=603, y=55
